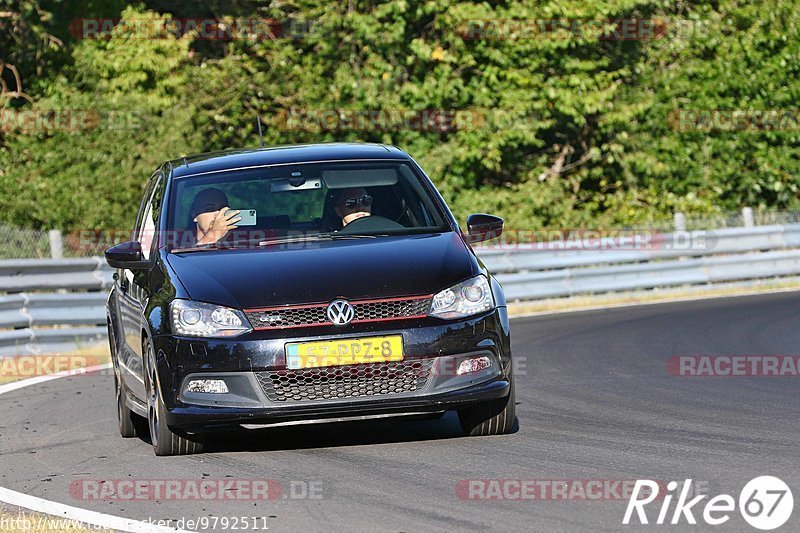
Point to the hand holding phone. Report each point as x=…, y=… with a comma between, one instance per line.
x=248, y=217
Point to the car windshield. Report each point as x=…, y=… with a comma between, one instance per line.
x=302, y=201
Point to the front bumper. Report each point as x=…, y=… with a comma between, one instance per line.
x=244, y=362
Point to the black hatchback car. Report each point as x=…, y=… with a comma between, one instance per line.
x=303, y=284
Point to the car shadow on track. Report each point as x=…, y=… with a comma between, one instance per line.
x=337, y=434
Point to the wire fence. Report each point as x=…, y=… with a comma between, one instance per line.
x=25, y=243
x=739, y=218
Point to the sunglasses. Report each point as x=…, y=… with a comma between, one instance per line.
x=364, y=201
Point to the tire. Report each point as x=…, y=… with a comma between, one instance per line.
x=495, y=417
x=165, y=441
x=124, y=415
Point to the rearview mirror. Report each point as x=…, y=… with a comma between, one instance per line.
x=482, y=227
x=126, y=255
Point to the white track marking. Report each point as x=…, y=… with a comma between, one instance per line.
x=84, y=516
x=39, y=505
x=8, y=387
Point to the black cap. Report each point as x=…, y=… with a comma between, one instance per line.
x=211, y=199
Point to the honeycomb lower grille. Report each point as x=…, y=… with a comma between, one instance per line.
x=349, y=381
x=316, y=314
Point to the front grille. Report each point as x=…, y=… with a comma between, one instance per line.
x=316, y=314
x=289, y=317
x=348, y=381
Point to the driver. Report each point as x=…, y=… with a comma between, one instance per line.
x=212, y=216
x=352, y=204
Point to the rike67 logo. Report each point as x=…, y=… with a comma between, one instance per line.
x=765, y=503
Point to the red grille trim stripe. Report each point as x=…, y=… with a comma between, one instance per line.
x=352, y=302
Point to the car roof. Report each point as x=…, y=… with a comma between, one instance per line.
x=276, y=155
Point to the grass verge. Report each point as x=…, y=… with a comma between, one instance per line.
x=17, y=367
x=24, y=521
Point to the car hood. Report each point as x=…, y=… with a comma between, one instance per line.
x=320, y=271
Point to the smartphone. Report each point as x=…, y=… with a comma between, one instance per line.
x=248, y=217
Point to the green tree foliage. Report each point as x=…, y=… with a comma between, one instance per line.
x=738, y=56
x=565, y=130
x=126, y=108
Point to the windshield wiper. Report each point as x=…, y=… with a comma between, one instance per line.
x=204, y=247
x=354, y=235
x=284, y=240
x=269, y=242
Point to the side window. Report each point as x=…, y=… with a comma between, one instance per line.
x=148, y=192
x=146, y=232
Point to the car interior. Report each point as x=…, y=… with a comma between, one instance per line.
x=306, y=204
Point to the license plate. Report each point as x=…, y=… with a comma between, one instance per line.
x=344, y=352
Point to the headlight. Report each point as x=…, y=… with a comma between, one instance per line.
x=465, y=299
x=198, y=319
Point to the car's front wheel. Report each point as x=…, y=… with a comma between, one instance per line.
x=164, y=440
x=495, y=417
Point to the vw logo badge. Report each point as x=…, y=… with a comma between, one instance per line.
x=340, y=312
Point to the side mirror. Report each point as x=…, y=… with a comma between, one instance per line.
x=482, y=227
x=126, y=255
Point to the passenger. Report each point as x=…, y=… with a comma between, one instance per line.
x=212, y=216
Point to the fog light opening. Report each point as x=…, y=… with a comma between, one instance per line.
x=208, y=386
x=474, y=364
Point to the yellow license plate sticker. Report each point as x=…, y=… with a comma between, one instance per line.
x=344, y=352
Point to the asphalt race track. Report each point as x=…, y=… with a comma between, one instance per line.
x=595, y=402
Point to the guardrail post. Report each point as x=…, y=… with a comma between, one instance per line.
x=747, y=216
x=56, y=244
x=680, y=221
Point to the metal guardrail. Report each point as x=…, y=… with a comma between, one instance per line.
x=650, y=247
x=569, y=282
x=51, y=305
x=19, y=275
x=557, y=269
x=54, y=318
